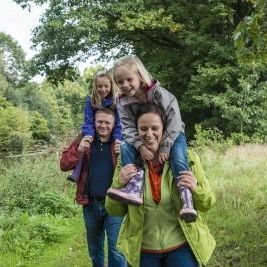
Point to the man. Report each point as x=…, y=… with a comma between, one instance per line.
x=99, y=160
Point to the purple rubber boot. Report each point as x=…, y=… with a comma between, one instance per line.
x=132, y=193
x=75, y=175
x=187, y=212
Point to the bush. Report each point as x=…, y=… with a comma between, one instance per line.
x=35, y=187
x=239, y=138
x=53, y=203
x=211, y=138
x=39, y=127
x=15, y=132
x=28, y=235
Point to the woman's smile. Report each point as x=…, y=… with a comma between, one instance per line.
x=150, y=129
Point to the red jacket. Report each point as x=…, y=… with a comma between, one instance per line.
x=69, y=158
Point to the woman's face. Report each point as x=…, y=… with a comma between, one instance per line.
x=150, y=130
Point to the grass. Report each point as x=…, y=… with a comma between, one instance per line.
x=70, y=252
x=238, y=221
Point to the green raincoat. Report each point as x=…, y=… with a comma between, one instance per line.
x=197, y=234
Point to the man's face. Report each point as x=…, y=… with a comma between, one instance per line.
x=104, y=124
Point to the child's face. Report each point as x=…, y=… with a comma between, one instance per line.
x=128, y=82
x=103, y=86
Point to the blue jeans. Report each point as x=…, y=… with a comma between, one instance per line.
x=97, y=221
x=178, y=155
x=181, y=257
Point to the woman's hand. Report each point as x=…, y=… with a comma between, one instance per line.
x=162, y=157
x=85, y=143
x=127, y=172
x=146, y=154
x=187, y=179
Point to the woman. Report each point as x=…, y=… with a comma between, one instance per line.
x=152, y=234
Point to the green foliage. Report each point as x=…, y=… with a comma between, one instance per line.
x=238, y=177
x=251, y=36
x=34, y=185
x=39, y=128
x=71, y=97
x=28, y=235
x=14, y=127
x=53, y=203
x=35, y=207
x=3, y=79
x=197, y=49
x=15, y=69
x=207, y=138
x=234, y=99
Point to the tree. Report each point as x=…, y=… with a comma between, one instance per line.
x=14, y=67
x=180, y=42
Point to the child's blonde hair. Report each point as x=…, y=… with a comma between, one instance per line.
x=135, y=65
x=95, y=96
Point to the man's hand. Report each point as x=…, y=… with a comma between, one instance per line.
x=85, y=143
x=162, y=157
x=127, y=172
x=117, y=146
x=146, y=154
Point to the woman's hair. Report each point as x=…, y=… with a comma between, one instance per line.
x=135, y=65
x=151, y=108
x=95, y=96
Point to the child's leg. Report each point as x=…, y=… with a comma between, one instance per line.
x=179, y=162
x=75, y=175
x=132, y=193
x=178, y=155
x=128, y=154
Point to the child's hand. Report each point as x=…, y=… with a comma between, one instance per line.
x=162, y=157
x=117, y=146
x=85, y=143
x=146, y=154
x=89, y=138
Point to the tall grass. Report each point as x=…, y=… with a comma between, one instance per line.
x=238, y=222
x=36, y=208
x=238, y=175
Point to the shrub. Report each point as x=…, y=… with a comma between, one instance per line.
x=39, y=127
x=15, y=132
x=35, y=187
x=28, y=235
x=211, y=138
x=54, y=203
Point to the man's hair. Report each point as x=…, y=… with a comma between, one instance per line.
x=108, y=111
x=151, y=108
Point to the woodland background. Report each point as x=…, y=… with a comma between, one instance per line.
x=212, y=55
